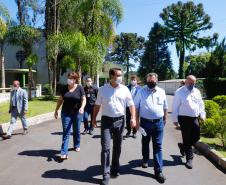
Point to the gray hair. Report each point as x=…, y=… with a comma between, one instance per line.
x=152, y=74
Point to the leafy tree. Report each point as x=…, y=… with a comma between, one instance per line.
x=183, y=23
x=217, y=64
x=127, y=48
x=93, y=18
x=156, y=56
x=197, y=64
x=25, y=36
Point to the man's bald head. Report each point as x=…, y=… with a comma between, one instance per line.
x=191, y=78
x=190, y=81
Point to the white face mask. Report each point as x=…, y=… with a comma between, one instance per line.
x=70, y=81
x=118, y=80
x=15, y=88
x=88, y=84
x=133, y=82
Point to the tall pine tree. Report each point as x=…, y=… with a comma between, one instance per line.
x=156, y=56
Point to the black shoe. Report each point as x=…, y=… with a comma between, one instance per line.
x=189, y=164
x=85, y=131
x=6, y=136
x=127, y=134
x=105, y=181
x=160, y=177
x=144, y=165
x=181, y=147
x=25, y=131
x=134, y=135
x=115, y=174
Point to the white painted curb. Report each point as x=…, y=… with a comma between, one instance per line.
x=31, y=121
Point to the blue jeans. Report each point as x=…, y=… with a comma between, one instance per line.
x=14, y=115
x=88, y=111
x=69, y=120
x=154, y=130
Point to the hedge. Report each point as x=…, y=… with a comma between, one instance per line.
x=214, y=87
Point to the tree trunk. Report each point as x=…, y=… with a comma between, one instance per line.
x=30, y=83
x=127, y=70
x=20, y=12
x=2, y=68
x=79, y=68
x=181, y=63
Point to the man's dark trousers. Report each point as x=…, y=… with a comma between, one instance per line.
x=88, y=111
x=111, y=128
x=190, y=133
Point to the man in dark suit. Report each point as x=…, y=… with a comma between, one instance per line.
x=133, y=88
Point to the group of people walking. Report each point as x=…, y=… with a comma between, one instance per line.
x=144, y=108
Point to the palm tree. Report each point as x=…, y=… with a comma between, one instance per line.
x=79, y=50
x=4, y=22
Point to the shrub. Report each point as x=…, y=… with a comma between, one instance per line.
x=221, y=127
x=208, y=128
x=46, y=90
x=220, y=100
x=211, y=108
x=215, y=86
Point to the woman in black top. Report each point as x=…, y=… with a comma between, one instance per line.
x=73, y=100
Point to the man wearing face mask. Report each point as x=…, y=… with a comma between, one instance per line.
x=151, y=106
x=91, y=96
x=113, y=98
x=133, y=88
x=18, y=108
x=187, y=107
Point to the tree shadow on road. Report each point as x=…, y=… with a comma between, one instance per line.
x=88, y=175
x=49, y=154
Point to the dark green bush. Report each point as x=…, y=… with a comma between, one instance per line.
x=215, y=86
x=220, y=100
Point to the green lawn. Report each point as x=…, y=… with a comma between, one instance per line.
x=35, y=107
x=214, y=143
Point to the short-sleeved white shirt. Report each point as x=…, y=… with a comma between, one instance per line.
x=113, y=101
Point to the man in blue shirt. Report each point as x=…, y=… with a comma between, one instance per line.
x=151, y=106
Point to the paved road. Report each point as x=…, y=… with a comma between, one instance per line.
x=31, y=160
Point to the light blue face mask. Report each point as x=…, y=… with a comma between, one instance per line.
x=190, y=87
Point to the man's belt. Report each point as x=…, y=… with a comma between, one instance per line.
x=113, y=118
x=150, y=120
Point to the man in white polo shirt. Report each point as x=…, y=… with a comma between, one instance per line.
x=113, y=99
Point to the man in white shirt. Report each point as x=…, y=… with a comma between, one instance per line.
x=187, y=107
x=113, y=99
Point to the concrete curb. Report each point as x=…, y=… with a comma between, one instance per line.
x=31, y=121
x=211, y=154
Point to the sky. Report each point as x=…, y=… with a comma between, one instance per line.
x=140, y=15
